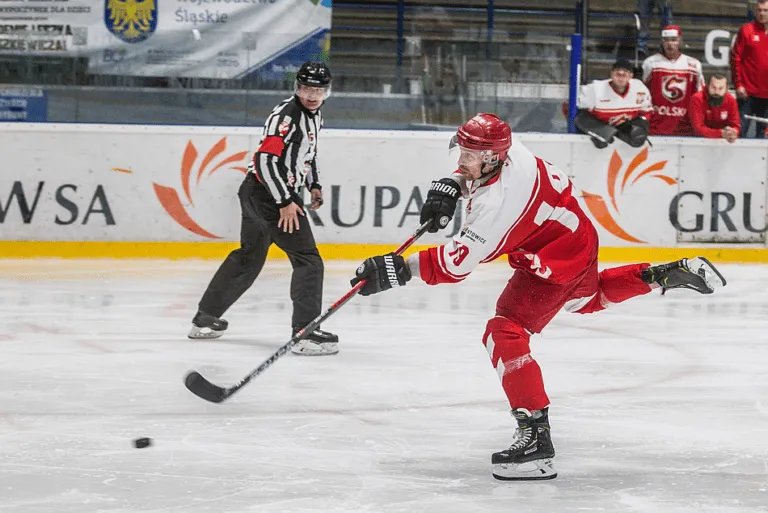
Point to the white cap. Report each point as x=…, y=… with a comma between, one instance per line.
x=671, y=31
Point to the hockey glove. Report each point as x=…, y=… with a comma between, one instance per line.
x=381, y=273
x=440, y=204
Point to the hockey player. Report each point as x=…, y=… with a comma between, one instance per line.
x=523, y=208
x=673, y=78
x=273, y=212
x=620, y=106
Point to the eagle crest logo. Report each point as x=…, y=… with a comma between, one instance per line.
x=132, y=21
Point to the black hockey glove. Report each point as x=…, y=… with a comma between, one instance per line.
x=381, y=273
x=441, y=204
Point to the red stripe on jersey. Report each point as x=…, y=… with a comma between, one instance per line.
x=615, y=111
x=273, y=145
x=674, y=71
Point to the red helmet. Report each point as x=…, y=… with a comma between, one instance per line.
x=486, y=133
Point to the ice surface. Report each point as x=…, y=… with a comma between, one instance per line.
x=659, y=405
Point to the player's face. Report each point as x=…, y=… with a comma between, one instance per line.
x=311, y=97
x=470, y=164
x=762, y=13
x=671, y=46
x=621, y=77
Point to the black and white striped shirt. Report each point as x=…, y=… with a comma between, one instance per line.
x=286, y=158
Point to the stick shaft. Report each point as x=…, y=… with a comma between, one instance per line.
x=309, y=328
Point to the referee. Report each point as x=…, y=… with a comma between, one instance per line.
x=273, y=212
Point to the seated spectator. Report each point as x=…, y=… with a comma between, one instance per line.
x=713, y=112
x=619, y=106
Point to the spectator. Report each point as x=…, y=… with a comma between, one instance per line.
x=713, y=112
x=749, y=69
x=673, y=78
x=645, y=8
x=616, y=107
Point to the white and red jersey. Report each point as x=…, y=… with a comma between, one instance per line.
x=526, y=212
x=672, y=84
x=602, y=101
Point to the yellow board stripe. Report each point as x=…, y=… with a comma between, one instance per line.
x=218, y=250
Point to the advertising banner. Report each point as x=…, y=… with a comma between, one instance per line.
x=141, y=183
x=185, y=38
x=23, y=104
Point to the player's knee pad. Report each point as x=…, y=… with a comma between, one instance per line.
x=507, y=343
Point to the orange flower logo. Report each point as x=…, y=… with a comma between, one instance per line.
x=597, y=205
x=169, y=197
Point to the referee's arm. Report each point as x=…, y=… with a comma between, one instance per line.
x=268, y=161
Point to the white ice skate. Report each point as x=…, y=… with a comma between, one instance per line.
x=317, y=343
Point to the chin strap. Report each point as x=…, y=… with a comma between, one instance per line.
x=490, y=170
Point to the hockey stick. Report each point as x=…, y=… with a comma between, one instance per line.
x=638, y=27
x=204, y=389
x=598, y=137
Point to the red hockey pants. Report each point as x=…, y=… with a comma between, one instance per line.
x=529, y=303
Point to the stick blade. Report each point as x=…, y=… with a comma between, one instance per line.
x=203, y=388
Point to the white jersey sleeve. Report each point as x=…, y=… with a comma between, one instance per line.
x=647, y=69
x=700, y=72
x=646, y=105
x=587, y=97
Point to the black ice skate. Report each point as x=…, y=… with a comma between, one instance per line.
x=206, y=326
x=529, y=458
x=317, y=343
x=696, y=274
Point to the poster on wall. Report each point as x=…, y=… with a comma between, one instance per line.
x=180, y=38
x=23, y=104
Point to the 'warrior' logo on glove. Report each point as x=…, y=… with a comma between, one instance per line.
x=449, y=189
x=391, y=272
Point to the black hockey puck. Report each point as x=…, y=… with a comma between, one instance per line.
x=141, y=443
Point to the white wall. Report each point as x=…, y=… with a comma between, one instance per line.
x=105, y=183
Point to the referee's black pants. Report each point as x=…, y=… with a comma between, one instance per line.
x=257, y=233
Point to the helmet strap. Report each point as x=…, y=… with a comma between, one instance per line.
x=490, y=170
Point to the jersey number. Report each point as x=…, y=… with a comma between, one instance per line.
x=459, y=254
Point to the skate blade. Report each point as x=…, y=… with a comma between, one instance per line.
x=708, y=272
x=309, y=348
x=537, y=470
x=203, y=333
